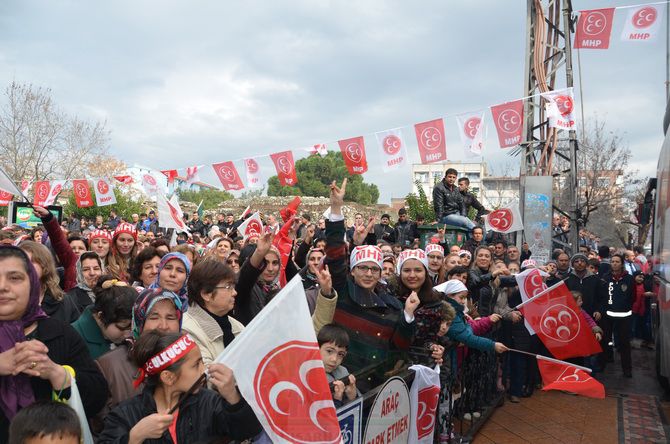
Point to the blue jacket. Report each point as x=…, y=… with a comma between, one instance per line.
x=460, y=331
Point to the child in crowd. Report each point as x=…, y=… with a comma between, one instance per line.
x=45, y=422
x=333, y=343
x=589, y=361
x=641, y=322
x=593, y=265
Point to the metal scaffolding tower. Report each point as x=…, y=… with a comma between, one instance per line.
x=548, y=65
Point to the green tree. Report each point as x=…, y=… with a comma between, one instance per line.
x=210, y=198
x=419, y=205
x=125, y=206
x=315, y=175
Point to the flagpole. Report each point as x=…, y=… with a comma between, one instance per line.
x=546, y=358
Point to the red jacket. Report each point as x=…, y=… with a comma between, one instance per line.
x=66, y=257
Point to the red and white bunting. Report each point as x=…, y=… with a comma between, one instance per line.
x=252, y=173
x=392, y=149
x=126, y=180
x=431, y=140
x=227, y=174
x=285, y=168
x=508, y=119
x=171, y=175
x=104, y=192
x=151, y=184
x=505, y=219
x=252, y=228
x=353, y=152
x=25, y=186
x=320, y=149
x=471, y=128
x=82, y=193
x=594, y=28
x=46, y=192
x=642, y=24
x=192, y=175
x=169, y=214
x=5, y=198
x=560, y=109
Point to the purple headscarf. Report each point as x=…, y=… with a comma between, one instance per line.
x=15, y=391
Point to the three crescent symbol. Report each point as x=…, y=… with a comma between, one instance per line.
x=509, y=121
x=595, y=23
x=431, y=138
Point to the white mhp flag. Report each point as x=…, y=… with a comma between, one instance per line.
x=424, y=397
x=279, y=371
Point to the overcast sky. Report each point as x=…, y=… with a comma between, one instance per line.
x=185, y=83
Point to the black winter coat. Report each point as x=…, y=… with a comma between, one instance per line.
x=619, y=297
x=203, y=416
x=447, y=201
x=592, y=289
x=66, y=347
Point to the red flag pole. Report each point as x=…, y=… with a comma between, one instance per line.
x=546, y=358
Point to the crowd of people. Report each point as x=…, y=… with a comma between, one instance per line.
x=136, y=319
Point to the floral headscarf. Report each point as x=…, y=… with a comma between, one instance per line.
x=167, y=258
x=146, y=301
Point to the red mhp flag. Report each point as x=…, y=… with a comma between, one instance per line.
x=508, y=119
x=557, y=375
x=431, y=141
x=353, y=152
x=227, y=174
x=285, y=168
x=42, y=189
x=594, y=28
x=556, y=319
x=170, y=174
x=5, y=198
x=82, y=193
x=127, y=180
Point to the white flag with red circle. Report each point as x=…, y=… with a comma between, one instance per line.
x=285, y=167
x=279, y=371
x=424, y=397
x=508, y=119
x=193, y=175
x=252, y=172
x=5, y=198
x=531, y=283
x=227, y=174
x=55, y=187
x=594, y=28
x=560, y=108
x=392, y=149
x=252, y=227
x=320, y=149
x=104, y=192
x=152, y=183
x=169, y=214
x=505, y=220
x=82, y=193
x=472, y=130
x=25, y=186
x=353, y=152
x=642, y=24
x=431, y=140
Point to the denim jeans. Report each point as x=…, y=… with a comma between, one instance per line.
x=459, y=221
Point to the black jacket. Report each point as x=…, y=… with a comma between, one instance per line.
x=447, y=200
x=619, y=297
x=66, y=347
x=202, y=417
x=405, y=233
x=470, y=201
x=196, y=226
x=385, y=233
x=64, y=310
x=592, y=289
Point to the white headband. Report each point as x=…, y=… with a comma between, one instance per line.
x=405, y=255
x=366, y=253
x=431, y=248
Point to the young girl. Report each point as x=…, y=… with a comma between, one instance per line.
x=99, y=242
x=124, y=249
x=170, y=364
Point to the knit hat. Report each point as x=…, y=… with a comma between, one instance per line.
x=528, y=263
x=576, y=256
x=450, y=287
x=467, y=253
x=100, y=234
x=417, y=254
x=431, y=248
x=365, y=253
x=125, y=227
